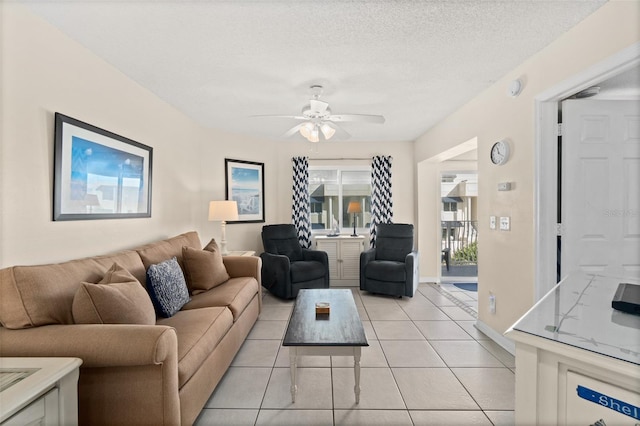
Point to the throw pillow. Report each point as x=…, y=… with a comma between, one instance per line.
x=167, y=287
x=117, y=299
x=204, y=269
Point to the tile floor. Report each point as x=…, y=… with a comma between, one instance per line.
x=467, y=299
x=426, y=364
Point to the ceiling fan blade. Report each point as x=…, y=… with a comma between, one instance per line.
x=363, y=118
x=318, y=106
x=292, y=131
x=291, y=117
x=340, y=132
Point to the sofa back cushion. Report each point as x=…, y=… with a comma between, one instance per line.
x=32, y=296
x=159, y=251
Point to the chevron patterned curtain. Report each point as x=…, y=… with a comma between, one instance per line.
x=381, y=200
x=301, y=208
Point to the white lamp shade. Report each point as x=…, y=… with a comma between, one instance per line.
x=314, y=135
x=306, y=129
x=327, y=131
x=223, y=210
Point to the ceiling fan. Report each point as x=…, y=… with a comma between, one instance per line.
x=317, y=119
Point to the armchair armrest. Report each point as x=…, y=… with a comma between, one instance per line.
x=275, y=269
x=412, y=271
x=317, y=255
x=365, y=257
x=98, y=345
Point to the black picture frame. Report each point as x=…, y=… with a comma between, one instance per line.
x=244, y=183
x=99, y=174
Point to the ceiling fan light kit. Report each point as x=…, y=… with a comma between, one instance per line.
x=317, y=118
x=327, y=131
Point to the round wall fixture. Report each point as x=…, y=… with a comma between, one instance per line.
x=500, y=152
x=515, y=87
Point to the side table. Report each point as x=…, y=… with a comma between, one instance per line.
x=39, y=391
x=241, y=253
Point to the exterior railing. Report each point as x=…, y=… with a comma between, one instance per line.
x=459, y=242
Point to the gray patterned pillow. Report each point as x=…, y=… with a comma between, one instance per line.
x=167, y=287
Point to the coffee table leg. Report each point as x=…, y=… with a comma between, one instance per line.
x=293, y=361
x=356, y=372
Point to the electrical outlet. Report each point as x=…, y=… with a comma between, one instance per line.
x=505, y=223
x=492, y=222
x=492, y=303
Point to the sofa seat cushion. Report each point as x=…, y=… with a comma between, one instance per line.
x=199, y=331
x=386, y=270
x=307, y=270
x=236, y=294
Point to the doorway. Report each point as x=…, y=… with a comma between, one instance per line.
x=459, y=237
x=546, y=170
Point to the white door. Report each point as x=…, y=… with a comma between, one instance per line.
x=601, y=187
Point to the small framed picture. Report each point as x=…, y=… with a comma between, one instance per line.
x=244, y=183
x=98, y=174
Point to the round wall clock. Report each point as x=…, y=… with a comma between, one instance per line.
x=500, y=152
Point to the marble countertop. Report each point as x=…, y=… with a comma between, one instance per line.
x=578, y=312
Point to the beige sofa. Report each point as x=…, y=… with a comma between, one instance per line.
x=158, y=374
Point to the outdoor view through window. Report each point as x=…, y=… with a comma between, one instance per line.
x=331, y=190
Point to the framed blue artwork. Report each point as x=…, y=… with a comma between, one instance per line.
x=98, y=174
x=244, y=183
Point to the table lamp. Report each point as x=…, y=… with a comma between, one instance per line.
x=223, y=211
x=354, y=207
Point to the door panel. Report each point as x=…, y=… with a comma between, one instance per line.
x=601, y=187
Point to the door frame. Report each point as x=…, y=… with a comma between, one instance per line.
x=546, y=158
x=458, y=170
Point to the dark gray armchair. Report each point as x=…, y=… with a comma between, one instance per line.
x=287, y=267
x=392, y=266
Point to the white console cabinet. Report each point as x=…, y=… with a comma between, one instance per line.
x=578, y=359
x=39, y=391
x=344, y=258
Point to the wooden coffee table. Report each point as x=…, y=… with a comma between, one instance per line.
x=339, y=334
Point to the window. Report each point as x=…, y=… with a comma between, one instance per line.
x=450, y=206
x=331, y=189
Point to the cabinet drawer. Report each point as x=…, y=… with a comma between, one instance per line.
x=590, y=400
x=42, y=411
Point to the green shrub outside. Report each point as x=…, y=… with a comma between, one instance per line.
x=468, y=254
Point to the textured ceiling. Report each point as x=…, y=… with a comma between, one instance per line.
x=220, y=62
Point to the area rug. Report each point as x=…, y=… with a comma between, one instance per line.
x=467, y=286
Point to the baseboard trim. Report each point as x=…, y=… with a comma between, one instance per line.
x=508, y=344
x=429, y=280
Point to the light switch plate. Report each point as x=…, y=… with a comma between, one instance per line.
x=492, y=222
x=505, y=223
x=504, y=186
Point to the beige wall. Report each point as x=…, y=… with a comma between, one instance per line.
x=506, y=259
x=279, y=181
x=43, y=72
